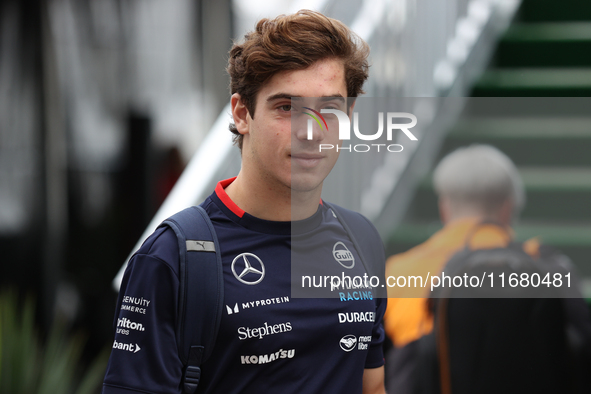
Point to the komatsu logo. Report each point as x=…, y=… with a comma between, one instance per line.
x=267, y=358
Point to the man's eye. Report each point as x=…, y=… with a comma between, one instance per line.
x=333, y=106
x=286, y=107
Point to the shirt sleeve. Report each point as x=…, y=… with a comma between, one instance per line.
x=144, y=357
x=375, y=357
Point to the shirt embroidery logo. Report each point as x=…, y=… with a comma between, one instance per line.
x=231, y=311
x=343, y=256
x=348, y=342
x=251, y=268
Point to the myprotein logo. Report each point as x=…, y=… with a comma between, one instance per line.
x=345, y=130
x=343, y=255
x=255, y=304
x=232, y=310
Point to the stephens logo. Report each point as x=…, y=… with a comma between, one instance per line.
x=261, y=332
x=343, y=255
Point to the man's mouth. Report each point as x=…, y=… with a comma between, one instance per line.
x=306, y=160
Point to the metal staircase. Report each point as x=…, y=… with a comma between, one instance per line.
x=546, y=52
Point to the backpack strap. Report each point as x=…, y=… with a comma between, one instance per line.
x=201, y=291
x=366, y=240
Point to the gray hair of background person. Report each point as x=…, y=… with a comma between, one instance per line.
x=479, y=178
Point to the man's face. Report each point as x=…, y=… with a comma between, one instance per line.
x=276, y=144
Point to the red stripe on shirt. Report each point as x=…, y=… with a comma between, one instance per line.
x=221, y=193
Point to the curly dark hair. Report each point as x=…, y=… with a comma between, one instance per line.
x=293, y=42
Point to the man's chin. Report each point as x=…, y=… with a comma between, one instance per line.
x=305, y=184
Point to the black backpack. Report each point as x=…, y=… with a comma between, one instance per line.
x=490, y=339
x=201, y=280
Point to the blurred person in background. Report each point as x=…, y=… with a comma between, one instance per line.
x=480, y=192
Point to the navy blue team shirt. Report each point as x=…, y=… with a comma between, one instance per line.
x=268, y=341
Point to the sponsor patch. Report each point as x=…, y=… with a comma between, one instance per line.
x=261, y=332
x=357, y=317
x=355, y=295
x=135, y=304
x=267, y=358
x=130, y=347
x=343, y=255
x=230, y=310
x=348, y=342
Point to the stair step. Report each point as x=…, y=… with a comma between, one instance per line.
x=555, y=10
x=531, y=82
x=528, y=141
x=552, y=234
x=524, y=128
x=574, y=240
x=551, y=179
x=545, y=45
x=554, y=194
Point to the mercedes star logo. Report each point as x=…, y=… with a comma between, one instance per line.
x=251, y=268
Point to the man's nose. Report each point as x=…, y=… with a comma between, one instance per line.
x=309, y=129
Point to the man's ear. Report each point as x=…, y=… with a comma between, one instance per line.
x=239, y=113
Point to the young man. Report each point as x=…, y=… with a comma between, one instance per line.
x=267, y=341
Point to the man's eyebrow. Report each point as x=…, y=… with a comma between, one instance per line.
x=337, y=97
x=278, y=96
